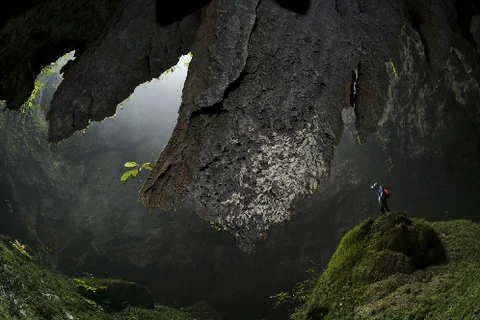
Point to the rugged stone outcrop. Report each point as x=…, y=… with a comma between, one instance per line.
x=46, y=294
x=69, y=196
x=253, y=139
x=265, y=137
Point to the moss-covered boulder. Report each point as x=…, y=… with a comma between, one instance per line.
x=399, y=238
x=115, y=293
x=395, y=267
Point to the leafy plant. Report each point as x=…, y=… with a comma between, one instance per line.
x=135, y=169
x=81, y=283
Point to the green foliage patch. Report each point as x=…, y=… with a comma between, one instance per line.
x=21, y=248
x=41, y=79
x=395, y=267
x=183, y=60
x=29, y=292
x=136, y=168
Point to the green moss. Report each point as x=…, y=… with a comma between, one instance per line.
x=21, y=248
x=115, y=294
x=394, y=68
x=30, y=292
x=25, y=152
x=400, y=268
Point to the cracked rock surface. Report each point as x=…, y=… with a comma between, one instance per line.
x=261, y=113
x=258, y=123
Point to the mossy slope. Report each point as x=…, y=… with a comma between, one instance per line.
x=28, y=291
x=395, y=267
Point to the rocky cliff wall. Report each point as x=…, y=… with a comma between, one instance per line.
x=254, y=138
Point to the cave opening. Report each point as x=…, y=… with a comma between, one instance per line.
x=45, y=84
x=152, y=108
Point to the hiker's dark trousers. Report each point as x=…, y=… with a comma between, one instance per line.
x=383, y=204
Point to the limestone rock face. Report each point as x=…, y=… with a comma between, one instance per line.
x=69, y=196
x=254, y=138
x=260, y=133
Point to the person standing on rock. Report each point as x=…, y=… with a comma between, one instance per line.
x=383, y=194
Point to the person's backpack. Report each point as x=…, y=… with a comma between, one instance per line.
x=386, y=191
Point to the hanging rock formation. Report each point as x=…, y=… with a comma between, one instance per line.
x=261, y=111
x=253, y=138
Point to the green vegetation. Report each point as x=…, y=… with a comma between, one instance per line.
x=202, y=310
x=27, y=129
x=25, y=152
x=21, y=248
x=136, y=168
x=42, y=78
x=83, y=285
x=394, y=69
x=395, y=267
x=29, y=292
x=185, y=60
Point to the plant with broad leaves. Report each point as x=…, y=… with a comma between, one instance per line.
x=135, y=169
